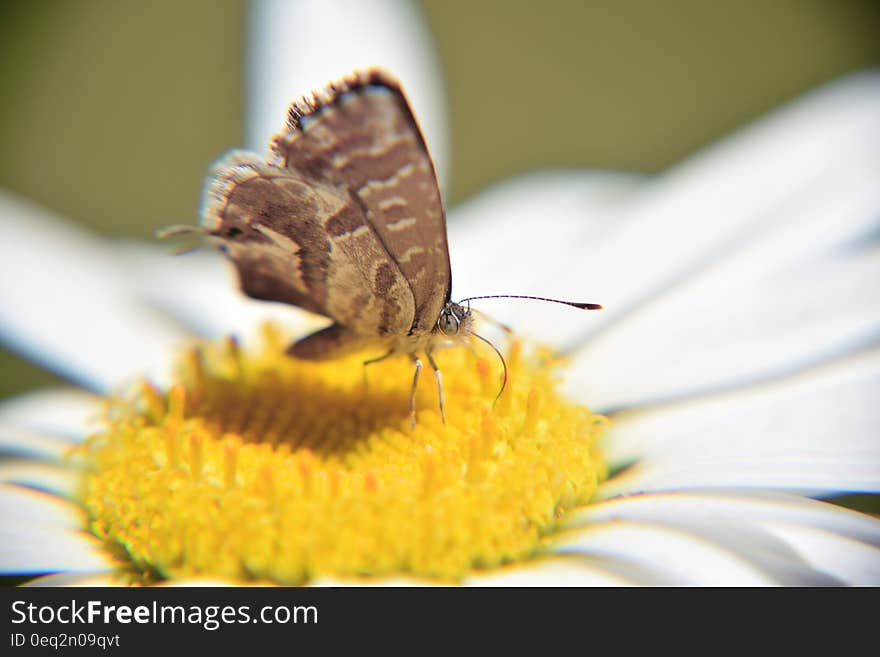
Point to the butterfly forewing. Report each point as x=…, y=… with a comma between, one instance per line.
x=347, y=220
x=363, y=139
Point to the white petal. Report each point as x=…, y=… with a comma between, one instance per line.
x=207, y=582
x=687, y=557
x=200, y=289
x=789, y=537
x=500, y=240
x=63, y=412
x=32, y=549
x=295, y=47
x=99, y=578
x=849, y=560
x=23, y=507
x=803, y=291
x=35, y=445
x=43, y=533
x=757, y=506
x=814, y=432
x=52, y=478
x=395, y=581
x=724, y=198
x=63, y=303
x=566, y=570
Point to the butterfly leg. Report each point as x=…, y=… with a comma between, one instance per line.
x=439, y=384
x=374, y=360
x=412, y=395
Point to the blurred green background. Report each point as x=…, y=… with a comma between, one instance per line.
x=111, y=110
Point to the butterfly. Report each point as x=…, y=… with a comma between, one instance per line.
x=345, y=219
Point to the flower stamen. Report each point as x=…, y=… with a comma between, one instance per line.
x=259, y=467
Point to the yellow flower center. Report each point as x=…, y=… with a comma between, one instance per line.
x=259, y=467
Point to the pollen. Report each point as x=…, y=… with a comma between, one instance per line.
x=256, y=467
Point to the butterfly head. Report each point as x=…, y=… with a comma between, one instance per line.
x=454, y=320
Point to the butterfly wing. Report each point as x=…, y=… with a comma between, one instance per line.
x=304, y=242
x=360, y=135
x=345, y=221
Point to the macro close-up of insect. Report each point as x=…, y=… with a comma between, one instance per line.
x=292, y=294
x=346, y=221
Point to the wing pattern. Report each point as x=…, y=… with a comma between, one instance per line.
x=305, y=244
x=346, y=220
x=362, y=136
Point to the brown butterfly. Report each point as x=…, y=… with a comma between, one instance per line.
x=345, y=220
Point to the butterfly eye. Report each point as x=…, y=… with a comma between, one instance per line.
x=448, y=323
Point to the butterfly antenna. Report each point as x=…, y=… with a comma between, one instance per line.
x=573, y=304
x=503, y=363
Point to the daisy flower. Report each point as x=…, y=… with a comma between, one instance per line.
x=731, y=381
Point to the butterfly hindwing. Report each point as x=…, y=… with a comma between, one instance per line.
x=303, y=242
x=362, y=137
